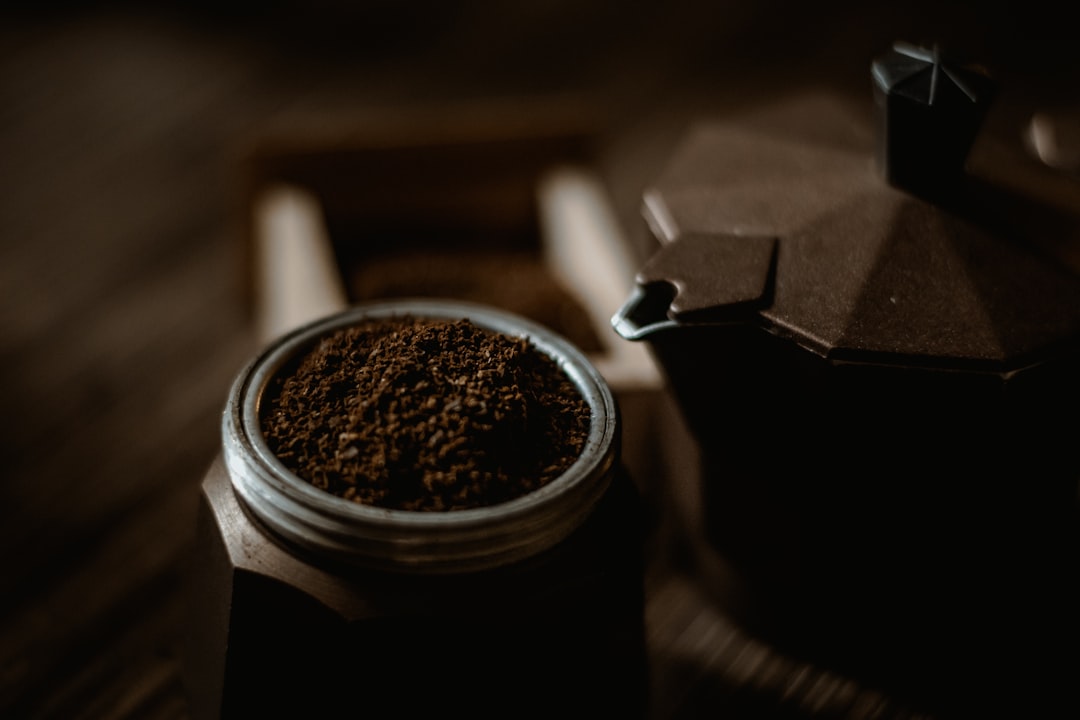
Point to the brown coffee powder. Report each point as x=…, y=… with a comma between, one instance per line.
x=427, y=415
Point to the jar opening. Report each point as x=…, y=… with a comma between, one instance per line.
x=303, y=514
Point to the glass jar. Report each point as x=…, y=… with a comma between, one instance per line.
x=308, y=603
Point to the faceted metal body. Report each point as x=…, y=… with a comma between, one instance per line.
x=277, y=635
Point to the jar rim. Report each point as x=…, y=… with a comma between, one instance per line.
x=426, y=541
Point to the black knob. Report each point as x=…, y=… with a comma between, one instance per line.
x=930, y=109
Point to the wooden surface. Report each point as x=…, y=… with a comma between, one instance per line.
x=122, y=319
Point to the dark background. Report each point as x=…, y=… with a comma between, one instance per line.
x=122, y=316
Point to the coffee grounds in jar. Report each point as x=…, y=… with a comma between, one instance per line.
x=427, y=415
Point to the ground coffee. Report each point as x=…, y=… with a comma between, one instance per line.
x=430, y=415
